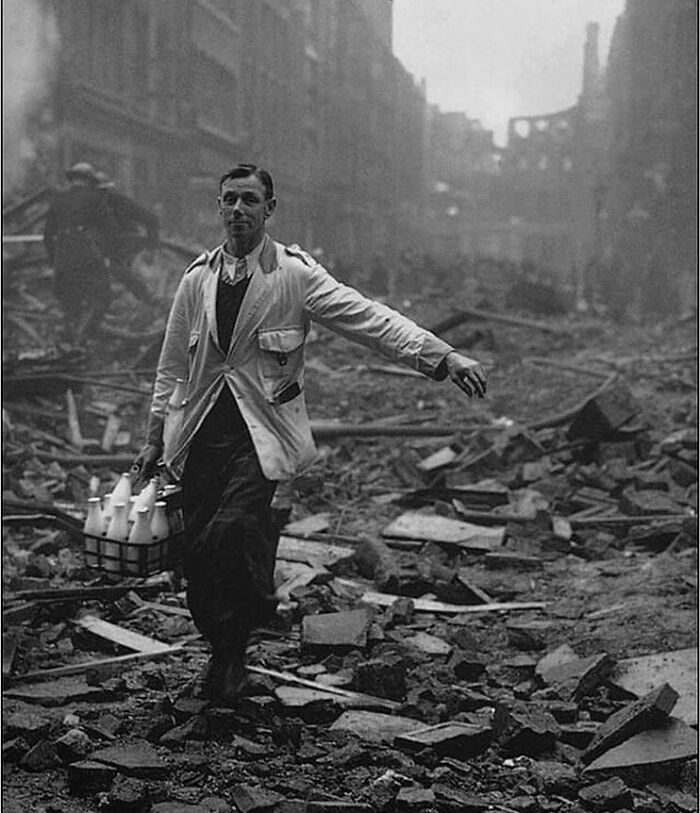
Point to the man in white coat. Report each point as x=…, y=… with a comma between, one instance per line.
x=235, y=426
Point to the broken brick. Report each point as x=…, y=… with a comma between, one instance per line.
x=456, y=740
x=138, y=759
x=73, y=746
x=562, y=711
x=90, y=777
x=252, y=799
x=529, y=731
x=129, y=795
x=467, y=666
x=577, y=678
x=336, y=631
x=414, y=800
x=374, y=726
x=430, y=644
x=606, y=796
x=646, y=712
x=529, y=636
x=579, y=734
x=400, y=612
x=382, y=677
x=552, y=777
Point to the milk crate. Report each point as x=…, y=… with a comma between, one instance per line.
x=124, y=559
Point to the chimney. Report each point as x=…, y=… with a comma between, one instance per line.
x=591, y=65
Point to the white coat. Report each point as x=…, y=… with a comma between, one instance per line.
x=265, y=358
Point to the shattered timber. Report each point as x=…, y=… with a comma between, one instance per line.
x=486, y=606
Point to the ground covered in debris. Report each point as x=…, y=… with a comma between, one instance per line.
x=486, y=605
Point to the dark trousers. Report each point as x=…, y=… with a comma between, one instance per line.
x=231, y=534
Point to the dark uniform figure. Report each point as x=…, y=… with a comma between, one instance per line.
x=137, y=231
x=78, y=235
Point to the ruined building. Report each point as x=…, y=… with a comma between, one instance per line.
x=164, y=95
x=648, y=201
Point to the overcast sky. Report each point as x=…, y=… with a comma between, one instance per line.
x=494, y=59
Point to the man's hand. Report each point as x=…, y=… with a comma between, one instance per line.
x=145, y=463
x=469, y=375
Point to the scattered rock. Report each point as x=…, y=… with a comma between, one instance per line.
x=251, y=799
x=336, y=631
x=382, y=677
x=88, y=777
x=73, y=745
x=373, y=726
x=40, y=757
x=138, y=759
x=456, y=740
x=529, y=731
x=612, y=794
x=646, y=712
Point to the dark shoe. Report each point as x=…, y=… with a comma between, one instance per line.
x=233, y=682
x=206, y=684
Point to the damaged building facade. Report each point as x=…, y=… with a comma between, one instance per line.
x=600, y=197
x=164, y=95
x=648, y=187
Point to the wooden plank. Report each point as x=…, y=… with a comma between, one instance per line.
x=119, y=635
x=310, y=552
x=76, y=437
x=110, y=433
x=81, y=668
x=413, y=525
x=678, y=668
x=287, y=677
x=430, y=606
x=9, y=650
x=293, y=575
x=309, y=525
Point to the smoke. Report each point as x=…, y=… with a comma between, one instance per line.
x=29, y=59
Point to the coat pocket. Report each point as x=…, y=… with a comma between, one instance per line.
x=281, y=352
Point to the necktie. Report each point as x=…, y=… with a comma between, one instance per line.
x=241, y=269
x=240, y=272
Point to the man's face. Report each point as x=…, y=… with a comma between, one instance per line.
x=244, y=209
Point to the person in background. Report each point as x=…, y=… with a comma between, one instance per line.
x=237, y=432
x=79, y=239
x=137, y=233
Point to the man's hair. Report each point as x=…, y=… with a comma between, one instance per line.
x=245, y=170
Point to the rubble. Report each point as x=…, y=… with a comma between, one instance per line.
x=473, y=619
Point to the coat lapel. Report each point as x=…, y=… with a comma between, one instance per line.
x=258, y=290
x=210, y=286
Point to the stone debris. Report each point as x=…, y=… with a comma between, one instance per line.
x=336, y=631
x=447, y=647
x=456, y=740
x=645, y=713
x=669, y=742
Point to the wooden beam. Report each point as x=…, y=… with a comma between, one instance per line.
x=287, y=677
x=86, y=666
x=119, y=635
